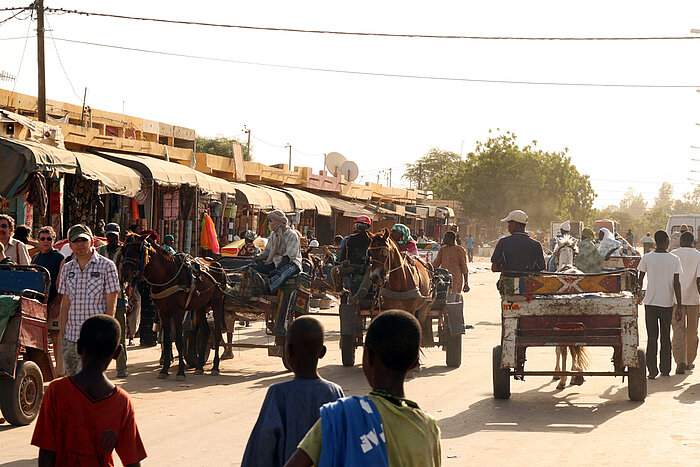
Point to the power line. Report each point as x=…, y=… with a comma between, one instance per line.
x=373, y=34
x=269, y=144
x=12, y=17
x=388, y=75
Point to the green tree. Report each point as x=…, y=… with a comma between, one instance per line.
x=664, y=199
x=221, y=146
x=690, y=204
x=500, y=176
x=429, y=167
x=633, y=203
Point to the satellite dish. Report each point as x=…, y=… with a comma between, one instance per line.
x=349, y=170
x=333, y=162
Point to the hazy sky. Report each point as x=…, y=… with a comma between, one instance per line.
x=620, y=136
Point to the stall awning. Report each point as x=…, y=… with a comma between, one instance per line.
x=20, y=158
x=249, y=194
x=112, y=177
x=348, y=208
x=280, y=199
x=447, y=211
x=167, y=173
x=309, y=201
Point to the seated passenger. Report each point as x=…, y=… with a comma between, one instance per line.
x=281, y=258
x=401, y=235
x=353, y=258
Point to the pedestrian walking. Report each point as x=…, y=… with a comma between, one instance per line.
x=663, y=282
x=291, y=408
x=685, y=316
x=89, y=284
x=85, y=418
x=629, y=236
x=453, y=258
x=113, y=251
x=51, y=259
x=647, y=243
x=470, y=248
x=14, y=249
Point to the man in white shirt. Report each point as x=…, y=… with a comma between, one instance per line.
x=14, y=249
x=663, y=282
x=685, y=316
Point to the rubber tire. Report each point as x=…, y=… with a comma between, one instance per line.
x=284, y=354
x=10, y=393
x=347, y=350
x=637, y=379
x=501, y=377
x=191, y=353
x=453, y=351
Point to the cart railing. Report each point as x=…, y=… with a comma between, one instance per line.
x=552, y=283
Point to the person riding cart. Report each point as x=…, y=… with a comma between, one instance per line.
x=401, y=235
x=354, y=260
x=281, y=258
x=517, y=252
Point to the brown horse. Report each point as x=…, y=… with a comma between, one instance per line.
x=173, y=292
x=406, y=283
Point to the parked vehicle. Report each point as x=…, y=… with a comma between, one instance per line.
x=611, y=225
x=675, y=221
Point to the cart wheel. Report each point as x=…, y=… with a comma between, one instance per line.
x=501, y=377
x=453, y=351
x=347, y=350
x=192, y=349
x=20, y=398
x=283, y=340
x=637, y=379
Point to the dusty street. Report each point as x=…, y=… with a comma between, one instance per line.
x=206, y=419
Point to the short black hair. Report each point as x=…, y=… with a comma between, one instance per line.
x=394, y=337
x=687, y=238
x=99, y=336
x=451, y=235
x=22, y=233
x=305, y=334
x=660, y=236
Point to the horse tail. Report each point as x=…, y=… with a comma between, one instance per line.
x=581, y=356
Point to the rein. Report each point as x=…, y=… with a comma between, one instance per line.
x=392, y=294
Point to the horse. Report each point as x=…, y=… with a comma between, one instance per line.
x=173, y=291
x=406, y=283
x=564, y=255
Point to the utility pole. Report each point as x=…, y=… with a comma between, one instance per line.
x=82, y=115
x=420, y=176
x=41, y=102
x=247, y=130
x=389, y=176
x=290, y=155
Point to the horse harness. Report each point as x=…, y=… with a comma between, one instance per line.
x=410, y=294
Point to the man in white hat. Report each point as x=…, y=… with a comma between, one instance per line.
x=517, y=252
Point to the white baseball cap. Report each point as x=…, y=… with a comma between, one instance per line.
x=517, y=216
x=566, y=225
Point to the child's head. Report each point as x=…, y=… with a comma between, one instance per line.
x=99, y=339
x=305, y=344
x=392, y=345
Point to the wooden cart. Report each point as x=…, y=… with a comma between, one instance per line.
x=447, y=309
x=25, y=361
x=550, y=309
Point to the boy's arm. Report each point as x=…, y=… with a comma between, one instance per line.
x=46, y=458
x=299, y=459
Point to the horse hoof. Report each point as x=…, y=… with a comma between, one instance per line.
x=215, y=372
x=226, y=356
x=162, y=375
x=561, y=386
x=555, y=378
x=199, y=371
x=180, y=378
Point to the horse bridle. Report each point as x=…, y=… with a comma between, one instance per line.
x=386, y=263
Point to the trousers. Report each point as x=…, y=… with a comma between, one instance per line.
x=278, y=276
x=71, y=359
x=658, y=321
x=120, y=316
x=685, y=334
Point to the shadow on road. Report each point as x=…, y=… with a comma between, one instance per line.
x=20, y=463
x=543, y=409
x=690, y=396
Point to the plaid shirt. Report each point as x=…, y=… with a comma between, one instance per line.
x=87, y=290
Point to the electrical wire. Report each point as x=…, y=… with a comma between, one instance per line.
x=265, y=142
x=15, y=8
x=61, y=61
x=388, y=75
x=11, y=17
x=349, y=33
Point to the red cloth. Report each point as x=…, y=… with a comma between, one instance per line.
x=411, y=248
x=82, y=431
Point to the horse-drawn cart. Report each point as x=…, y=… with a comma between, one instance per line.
x=569, y=310
x=445, y=308
x=25, y=362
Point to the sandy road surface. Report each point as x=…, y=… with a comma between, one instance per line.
x=206, y=419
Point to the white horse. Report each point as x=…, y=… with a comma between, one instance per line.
x=564, y=254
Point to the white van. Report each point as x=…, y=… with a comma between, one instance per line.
x=676, y=220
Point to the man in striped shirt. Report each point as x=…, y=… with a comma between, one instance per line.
x=89, y=284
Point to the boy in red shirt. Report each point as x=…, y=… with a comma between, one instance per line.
x=85, y=417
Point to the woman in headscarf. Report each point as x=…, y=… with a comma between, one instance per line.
x=401, y=235
x=589, y=258
x=249, y=248
x=281, y=258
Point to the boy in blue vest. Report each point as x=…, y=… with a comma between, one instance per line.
x=382, y=428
